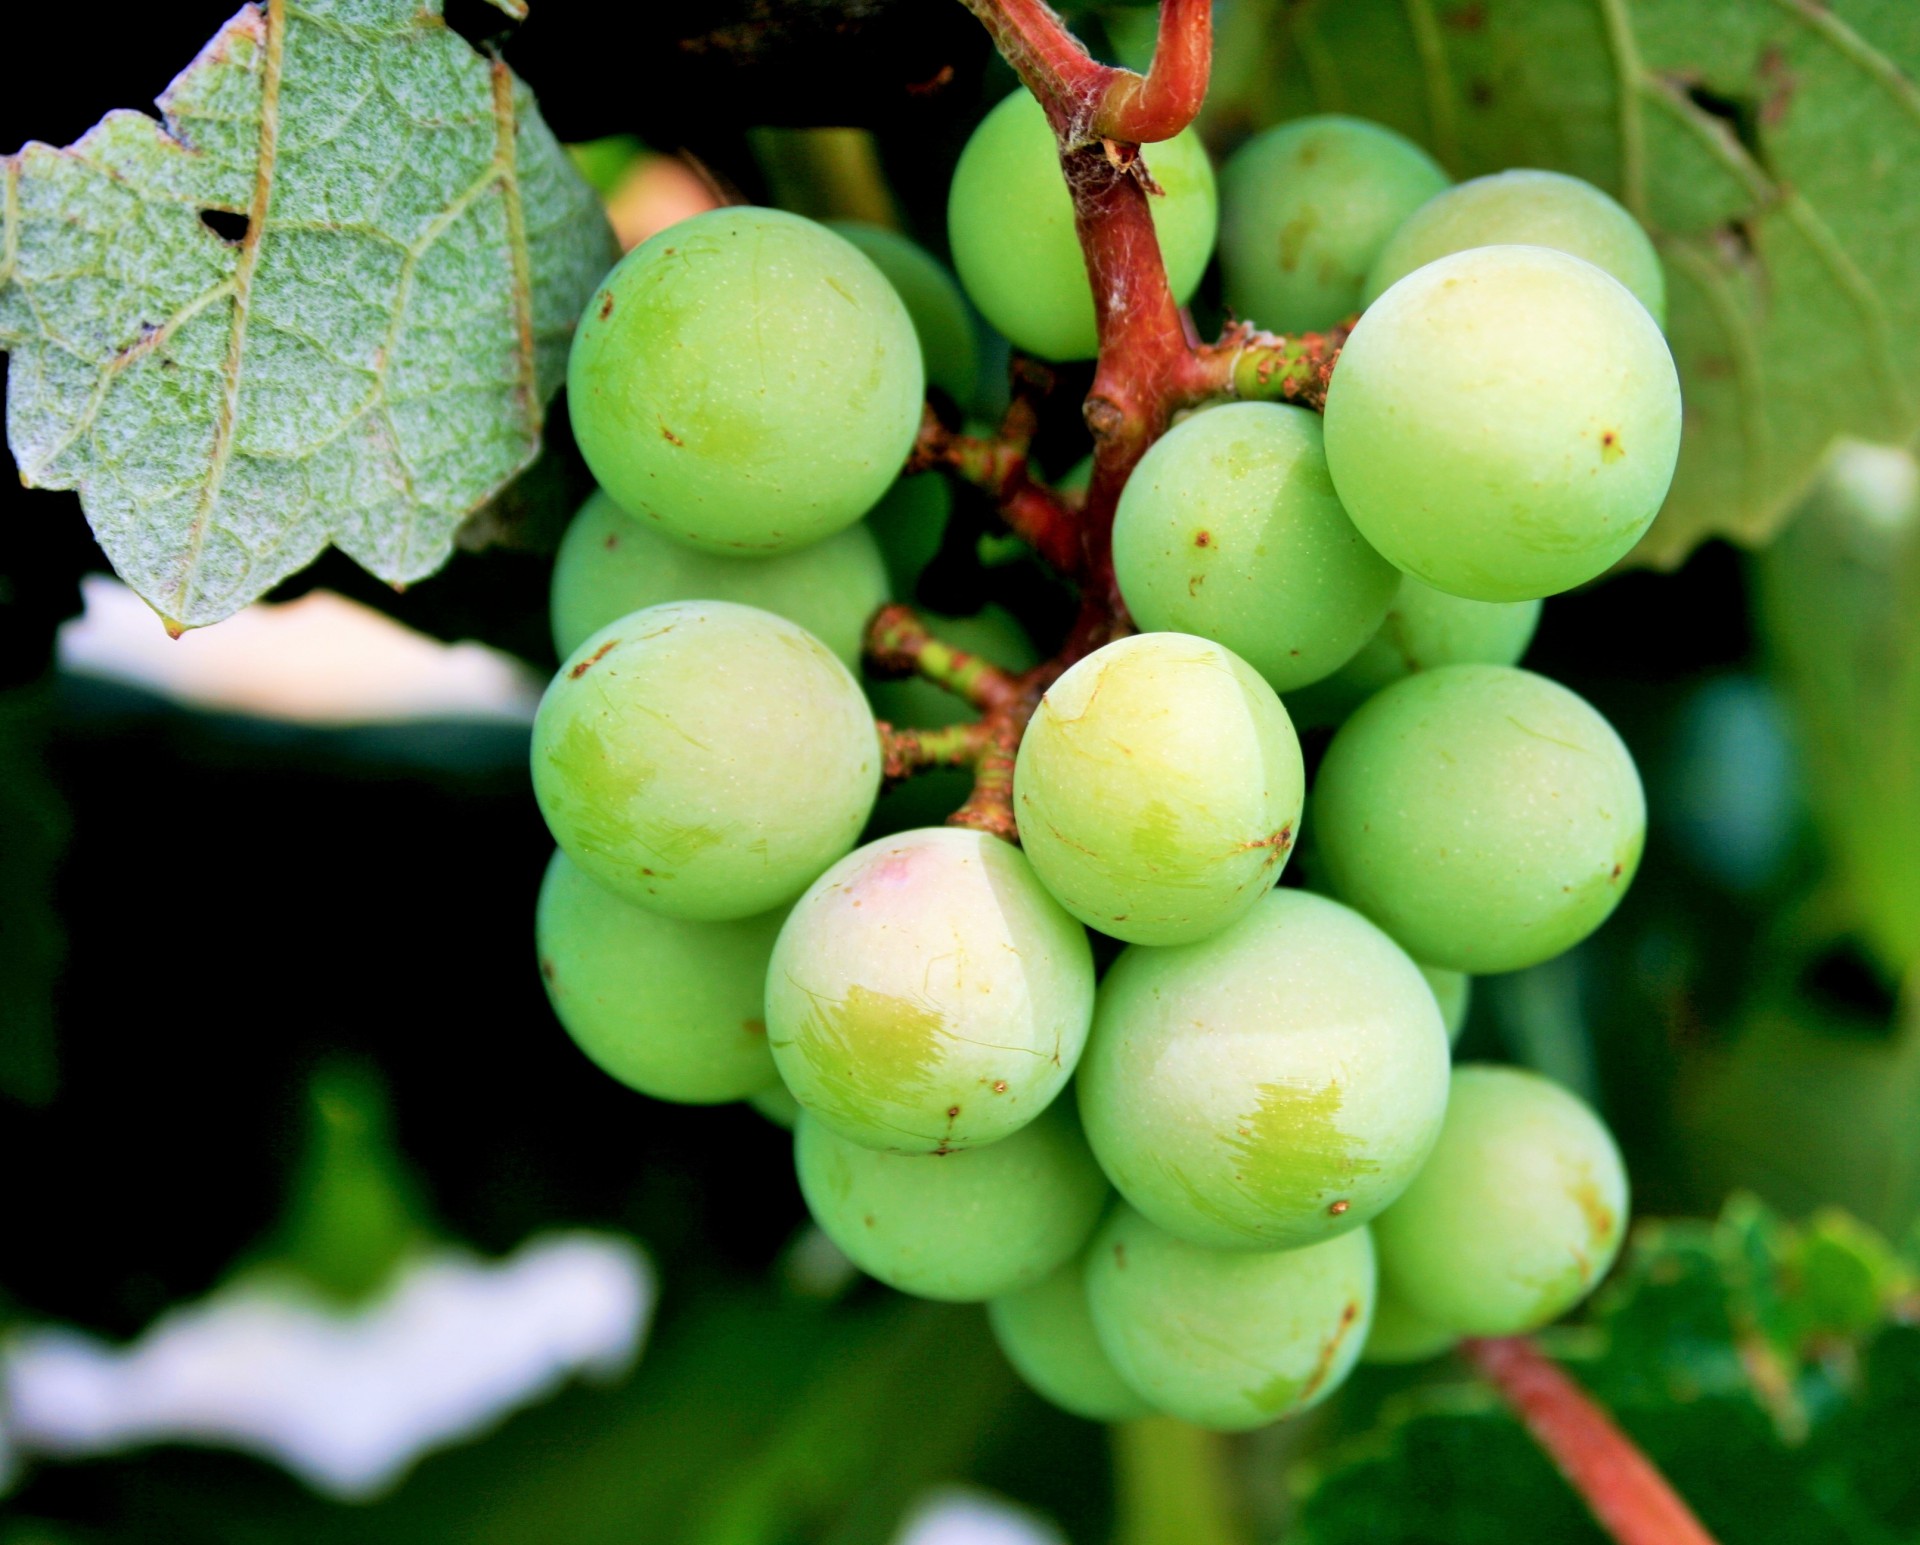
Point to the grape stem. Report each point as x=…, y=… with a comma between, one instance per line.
x=1629, y=1498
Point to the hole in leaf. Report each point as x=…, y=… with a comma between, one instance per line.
x=228, y=224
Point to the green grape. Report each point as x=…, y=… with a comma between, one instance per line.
x=668, y=1007
x=909, y=524
x=1047, y=1334
x=1305, y=209
x=777, y=1104
x=1228, y=1339
x=1010, y=223
x=610, y=564
x=1453, y=991
x=1158, y=788
x=1484, y=816
x=1526, y=208
x=959, y=1226
x=1517, y=1215
x=746, y=380
x=1503, y=423
x=933, y=300
x=1398, y=1335
x=704, y=759
x=1229, y=528
x=928, y=798
x=1269, y=1087
x=927, y=995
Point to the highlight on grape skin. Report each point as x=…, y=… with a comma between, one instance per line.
x=1269, y=1087
x=704, y=759
x=1158, y=788
x=746, y=380
x=927, y=995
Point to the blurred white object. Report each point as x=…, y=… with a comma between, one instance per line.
x=346, y=1399
x=319, y=660
x=954, y=1515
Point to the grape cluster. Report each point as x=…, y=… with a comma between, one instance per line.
x=1208, y=1179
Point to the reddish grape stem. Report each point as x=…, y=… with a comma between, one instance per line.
x=1047, y=523
x=1629, y=1497
x=904, y=752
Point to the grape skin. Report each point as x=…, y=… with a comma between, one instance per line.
x=958, y=1227
x=1517, y=1215
x=1484, y=816
x=704, y=759
x=909, y=523
x=1453, y=992
x=670, y=1008
x=1270, y=1087
x=1533, y=208
x=746, y=380
x=948, y=349
x=1503, y=423
x=1305, y=209
x=1158, y=788
x=1228, y=1339
x=1046, y=1332
x=1010, y=224
x=1398, y=1335
x=1230, y=529
x=927, y=994
x=610, y=564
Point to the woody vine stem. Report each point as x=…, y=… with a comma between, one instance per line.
x=1151, y=365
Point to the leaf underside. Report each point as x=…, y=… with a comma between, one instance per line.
x=1771, y=146
x=323, y=300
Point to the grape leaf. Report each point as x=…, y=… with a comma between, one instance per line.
x=1772, y=147
x=324, y=299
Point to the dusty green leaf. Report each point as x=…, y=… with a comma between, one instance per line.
x=323, y=299
x=1771, y=146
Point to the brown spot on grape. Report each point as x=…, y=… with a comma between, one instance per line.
x=868, y=1220
x=1203, y=539
x=592, y=660
x=952, y=1111
x=1120, y=1254
x=671, y=438
x=612, y=542
x=999, y=1086
x=1616, y=873
x=754, y=1026
x=1330, y=1351
x=1339, y=1207
x=547, y=968
x=1610, y=448
x=606, y=305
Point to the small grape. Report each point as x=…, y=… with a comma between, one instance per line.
x=1230, y=529
x=1398, y=1335
x=1517, y=1215
x=1269, y=1087
x=1503, y=423
x=933, y=300
x=746, y=380
x=610, y=564
x=1047, y=1334
x=777, y=1104
x=1484, y=816
x=1305, y=209
x=704, y=759
x=1453, y=991
x=957, y=1226
x=1010, y=223
x=1158, y=788
x=909, y=523
x=928, y=995
x=1530, y=208
x=1228, y=1339
x=670, y=1008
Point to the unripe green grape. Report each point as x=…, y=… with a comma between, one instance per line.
x=1453, y=992
x=1228, y=1339
x=1527, y=208
x=1269, y=1087
x=1484, y=816
x=1398, y=1335
x=1158, y=788
x=1503, y=423
x=746, y=381
x=933, y=300
x=959, y=1226
x=927, y=995
x=1230, y=529
x=1519, y=1212
x=1010, y=223
x=777, y=1104
x=704, y=759
x=668, y=1007
x=909, y=524
x=1047, y=1334
x=1305, y=209
x=610, y=564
